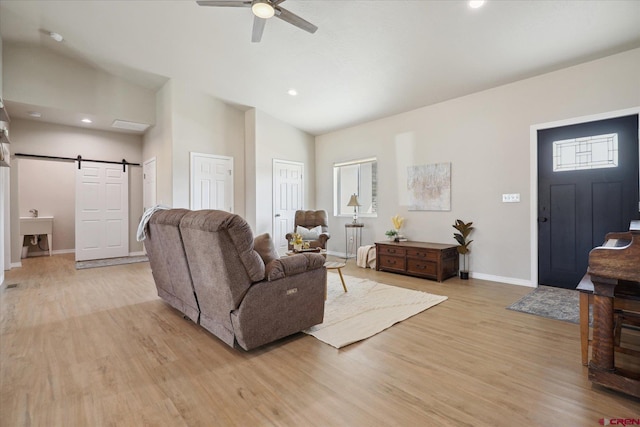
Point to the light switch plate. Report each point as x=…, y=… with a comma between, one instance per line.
x=511, y=198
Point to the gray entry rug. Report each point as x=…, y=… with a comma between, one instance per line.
x=554, y=303
x=110, y=261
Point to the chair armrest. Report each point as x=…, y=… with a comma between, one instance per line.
x=292, y=265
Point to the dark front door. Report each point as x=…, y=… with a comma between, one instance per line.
x=585, y=190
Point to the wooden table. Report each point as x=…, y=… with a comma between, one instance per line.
x=334, y=265
x=429, y=260
x=609, y=268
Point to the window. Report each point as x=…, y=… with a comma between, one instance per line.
x=591, y=152
x=356, y=177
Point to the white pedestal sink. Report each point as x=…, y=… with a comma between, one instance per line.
x=30, y=226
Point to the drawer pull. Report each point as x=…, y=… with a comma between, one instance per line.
x=391, y=251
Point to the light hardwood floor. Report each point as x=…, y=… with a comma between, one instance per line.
x=97, y=347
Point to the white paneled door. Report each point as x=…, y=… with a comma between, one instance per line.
x=211, y=182
x=149, y=186
x=288, y=197
x=102, y=211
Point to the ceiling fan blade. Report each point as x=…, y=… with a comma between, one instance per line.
x=225, y=3
x=258, y=29
x=276, y=2
x=294, y=19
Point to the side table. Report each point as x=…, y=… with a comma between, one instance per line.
x=353, y=238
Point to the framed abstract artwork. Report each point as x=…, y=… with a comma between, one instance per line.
x=429, y=187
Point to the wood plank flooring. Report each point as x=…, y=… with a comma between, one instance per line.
x=97, y=347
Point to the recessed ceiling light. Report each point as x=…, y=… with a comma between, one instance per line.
x=57, y=37
x=35, y=114
x=474, y=4
x=86, y=120
x=292, y=92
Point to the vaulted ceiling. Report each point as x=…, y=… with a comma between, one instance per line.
x=368, y=59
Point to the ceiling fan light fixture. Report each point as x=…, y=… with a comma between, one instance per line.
x=262, y=9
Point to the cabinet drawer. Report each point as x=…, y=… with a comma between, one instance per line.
x=422, y=268
x=391, y=262
x=392, y=250
x=423, y=254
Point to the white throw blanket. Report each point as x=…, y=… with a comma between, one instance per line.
x=366, y=256
x=142, y=227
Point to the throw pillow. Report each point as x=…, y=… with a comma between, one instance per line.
x=309, y=234
x=263, y=244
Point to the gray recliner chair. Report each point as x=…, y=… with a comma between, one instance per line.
x=243, y=300
x=311, y=219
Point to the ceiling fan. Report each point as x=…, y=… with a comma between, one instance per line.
x=263, y=10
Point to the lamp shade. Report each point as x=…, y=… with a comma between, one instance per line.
x=353, y=201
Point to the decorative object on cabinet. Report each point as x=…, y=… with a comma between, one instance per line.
x=429, y=187
x=394, y=234
x=463, y=249
x=435, y=261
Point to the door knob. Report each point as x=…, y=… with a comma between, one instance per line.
x=277, y=215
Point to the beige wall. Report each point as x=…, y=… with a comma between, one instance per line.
x=486, y=137
x=49, y=186
x=274, y=139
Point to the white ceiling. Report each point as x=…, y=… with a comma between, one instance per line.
x=368, y=59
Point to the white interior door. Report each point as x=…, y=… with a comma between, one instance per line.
x=149, y=180
x=288, y=197
x=211, y=182
x=102, y=211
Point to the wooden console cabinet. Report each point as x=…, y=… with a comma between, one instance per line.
x=429, y=260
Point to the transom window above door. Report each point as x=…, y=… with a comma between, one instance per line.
x=590, y=152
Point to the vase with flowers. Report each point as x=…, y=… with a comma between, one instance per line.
x=296, y=241
x=394, y=234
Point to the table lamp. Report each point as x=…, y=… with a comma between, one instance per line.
x=353, y=201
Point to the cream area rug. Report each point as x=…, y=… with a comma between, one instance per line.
x=368, y=308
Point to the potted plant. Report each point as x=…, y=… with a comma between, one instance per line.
x=463, y=245
x=391, y=234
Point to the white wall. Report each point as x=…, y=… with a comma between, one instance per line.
x=486, y=138
x=204, y=124
x=5, y=222
x=49, y=186
x=157, y=142
x=41, y=77
x=274, y=139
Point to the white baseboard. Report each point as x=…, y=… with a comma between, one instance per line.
x=138, y=253
x=501, y=279
x=16, y=264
